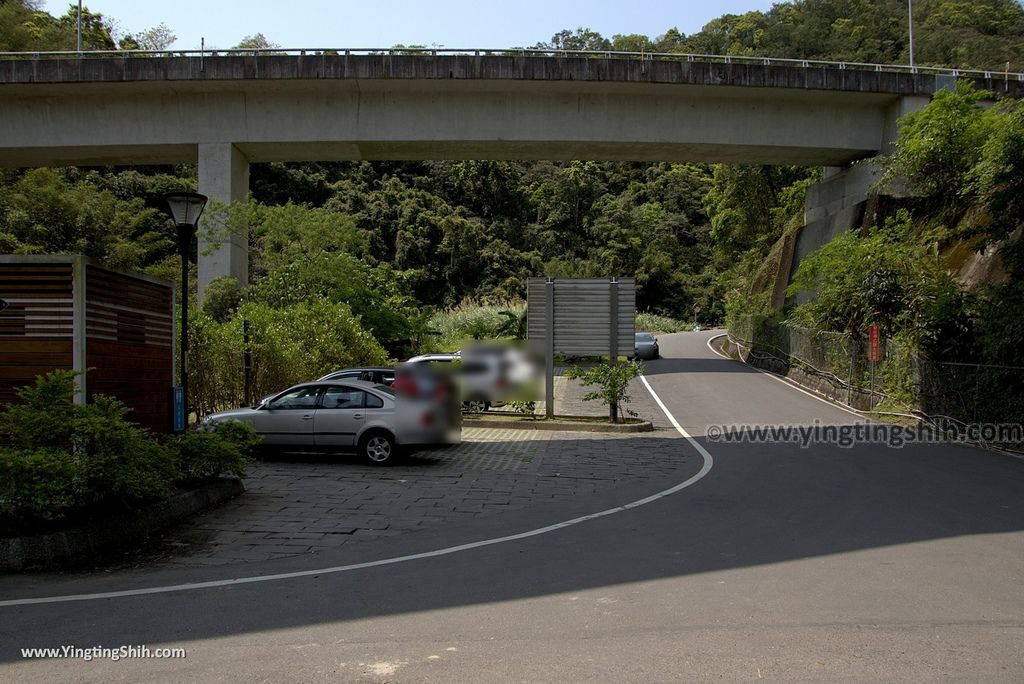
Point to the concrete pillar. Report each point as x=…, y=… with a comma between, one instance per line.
x=832, y=206
x=838, y=202
x=903, y=105
x=224, y=178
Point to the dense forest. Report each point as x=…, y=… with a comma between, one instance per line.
x=382, y=245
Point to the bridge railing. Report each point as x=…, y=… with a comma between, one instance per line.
x=533, y=52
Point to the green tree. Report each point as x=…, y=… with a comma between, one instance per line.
x=884, y=277
x=97, y=31
x=160, y=37
x=256, y=42
x=940, y=144
x=580, y=39
x=633, y=42
x=41, y=213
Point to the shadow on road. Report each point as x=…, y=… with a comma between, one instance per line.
x=764, y=502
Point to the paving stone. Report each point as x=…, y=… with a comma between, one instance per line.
x=295, y=506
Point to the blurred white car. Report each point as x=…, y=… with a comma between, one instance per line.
x=487, y=374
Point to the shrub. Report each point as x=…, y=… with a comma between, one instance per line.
x=523, y=406
x=63, y=457
x=881, y=277
x=43, y=416
x=224, y=448
x=120, y=460
x=124, y=464
x=612, y=380
x=40, y=483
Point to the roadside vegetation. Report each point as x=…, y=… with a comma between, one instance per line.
x=62, y=462
x=355, y=263
x=611, y=379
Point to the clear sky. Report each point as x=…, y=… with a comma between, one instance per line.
x=382, y=23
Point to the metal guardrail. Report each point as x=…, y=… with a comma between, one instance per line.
x=538, y=52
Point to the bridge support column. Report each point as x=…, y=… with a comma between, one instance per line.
x=904, y=105
x=834, y=205
x=224, y=177
x=838, y=202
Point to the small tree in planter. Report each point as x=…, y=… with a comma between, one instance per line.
x=612, y=379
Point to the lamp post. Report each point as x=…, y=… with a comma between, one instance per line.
x=185, y=208
x=910, y=24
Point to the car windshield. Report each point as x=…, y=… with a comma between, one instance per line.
x=384, y=389
x=644, y=337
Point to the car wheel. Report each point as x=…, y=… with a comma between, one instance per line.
x=476, y=406
x=379, y=448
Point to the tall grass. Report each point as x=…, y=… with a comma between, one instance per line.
x=454, y=328
x=648, y=322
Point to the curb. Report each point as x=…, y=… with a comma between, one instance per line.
x=556, y=424
x=80, y=545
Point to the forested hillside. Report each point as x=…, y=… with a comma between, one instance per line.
x=390, y=242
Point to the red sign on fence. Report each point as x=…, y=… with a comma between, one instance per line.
x=873, y=346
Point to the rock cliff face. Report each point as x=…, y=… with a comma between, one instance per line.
x=972, y=262
x=974, y=268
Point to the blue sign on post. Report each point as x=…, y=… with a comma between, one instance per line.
x=177, y=409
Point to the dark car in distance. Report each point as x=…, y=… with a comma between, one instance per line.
x=645, y=346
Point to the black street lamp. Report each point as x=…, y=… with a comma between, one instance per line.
x=185, y=208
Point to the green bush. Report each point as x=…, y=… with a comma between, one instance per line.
x=612, y=380
x=40, y=483
x=43, y=416
x=882, y=277
x=61, y=457
x=120, y=461
x=223, y=449
x=222, y=298
x=124, y=463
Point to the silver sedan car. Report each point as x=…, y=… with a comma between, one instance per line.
x=645, y=346
x=351, y=415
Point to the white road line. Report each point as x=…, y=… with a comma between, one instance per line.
x=786, y=382
x=705, y=469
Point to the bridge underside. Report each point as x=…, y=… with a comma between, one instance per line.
x=146, y=123
x=224, y=125
x=93, y=155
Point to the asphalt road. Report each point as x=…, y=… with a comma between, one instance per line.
x=782, y=563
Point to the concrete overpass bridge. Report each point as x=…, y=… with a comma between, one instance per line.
x=229, y=110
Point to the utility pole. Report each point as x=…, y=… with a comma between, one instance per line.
x=910, y=24
x=79, y=25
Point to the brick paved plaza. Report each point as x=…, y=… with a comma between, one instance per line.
x=305, y=503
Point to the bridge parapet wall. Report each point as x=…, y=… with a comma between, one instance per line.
x=112, y=69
